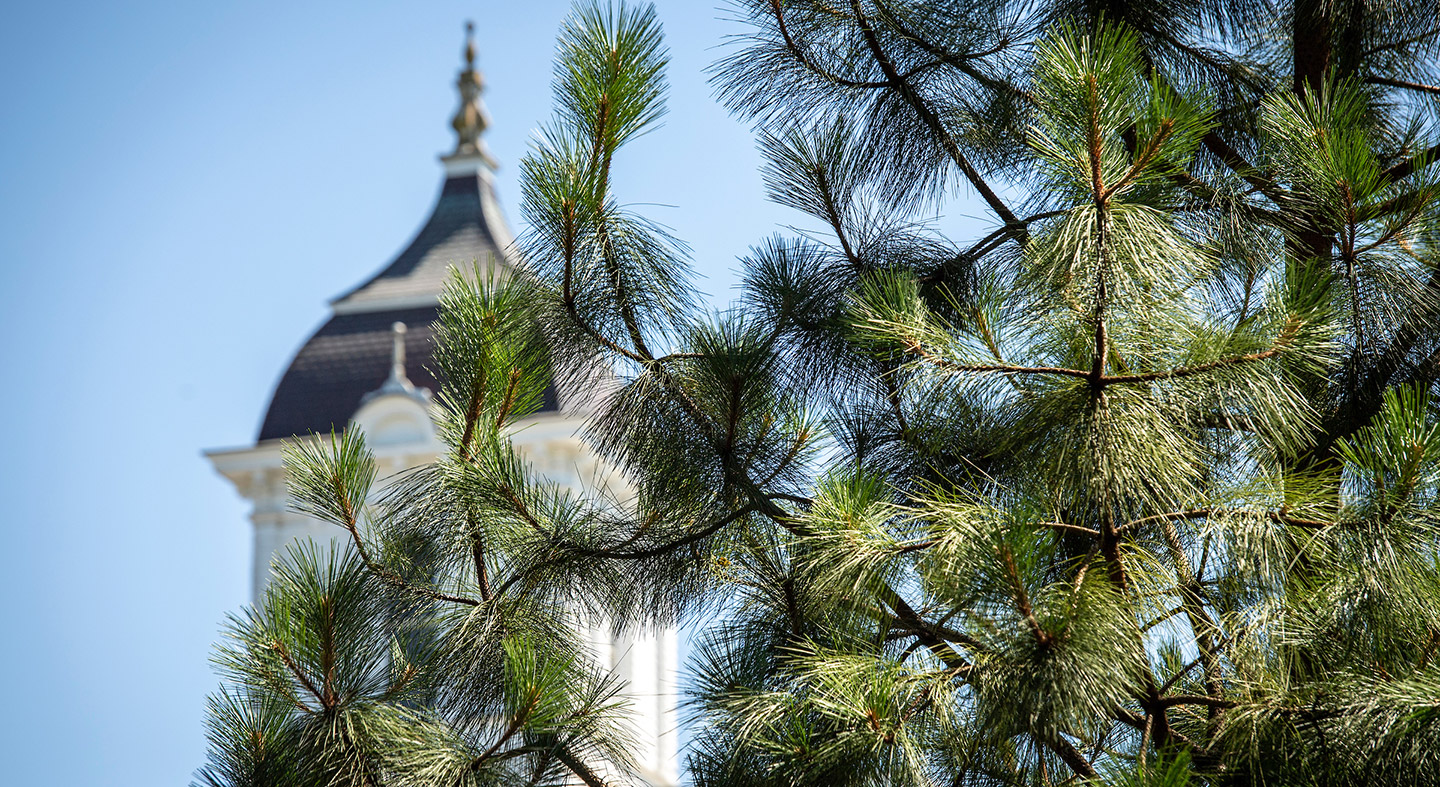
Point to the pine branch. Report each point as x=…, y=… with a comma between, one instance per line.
x=1022, y=599
x=301, y=676
x=655, y=551
x=1195, y=603
x=932, y=121
x=1415, y=163
x=350, y=523
x=1404, y=85
x=582, y=771
x=1401, y=43
x=521, y=717
x=964, y=63
x=1280, y=346
x=802, y=56
x=1185, y=699
x=1103, y=379
x=1206, y=513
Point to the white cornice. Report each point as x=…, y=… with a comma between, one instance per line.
x=482, y=165
x=353, y=305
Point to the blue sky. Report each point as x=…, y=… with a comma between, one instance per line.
x=183, y=186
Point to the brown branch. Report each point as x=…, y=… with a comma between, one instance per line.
x=599, y=167
x=1400, y=83
x=1096, y=142
x=1022, y=599
x=961, y=62
x=1071, y=528
x=1347, y=253
x=1413, y=164
x=509, y=400
x=804, y=59
x=1212, y=140
x=655, y=551
x=832, y=215
x=1188, y=699
x=916, y=546
x=988, y=244
x=1404, y=42
x=1100, y=359
x=804, y=501
x=327, y=654
x=1183, y=670
x=932, y=120
x=402, y=680
x=1231, y=158
x=1142, y=159
x=699, y=535
x=1164, y=616
x=1072, y=757
x=1280, y=345
x=627, y=310
x=385, y=574
x=519, y=506
x=892, y=395
x=472, y=418
x=938, y=645
x=516, y=723
x=1389, y=235
x=1190, y=371
x=1204, y=513
x=472, y=415
x=477, y=554
x=916, y=349
x=1194, y=601
x=941, y=58
x=580, y=769
x=682, y=356
x=925, y=633
x=1145, y=739
x=300, y=675
x=801, y=440
x=567, y=292
x=1202, y=190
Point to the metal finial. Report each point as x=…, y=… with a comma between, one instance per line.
x=397, y=354
x=398, y=382
x=470, y=120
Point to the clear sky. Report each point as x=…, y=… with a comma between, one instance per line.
x=183, y=186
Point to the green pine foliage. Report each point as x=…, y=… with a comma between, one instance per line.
x=1139, y=488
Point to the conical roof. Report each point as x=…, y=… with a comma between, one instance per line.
x=350, y=355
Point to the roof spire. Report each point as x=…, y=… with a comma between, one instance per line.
x=398, y=382
x=397, y=358
x=470, y=119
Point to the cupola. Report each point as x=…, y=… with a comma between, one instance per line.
x=352, y=354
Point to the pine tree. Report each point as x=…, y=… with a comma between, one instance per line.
x=1139, y=488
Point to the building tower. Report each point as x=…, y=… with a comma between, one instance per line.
x=368, y=367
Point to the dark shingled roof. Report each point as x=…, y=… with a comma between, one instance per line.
x=350, y=355
x=347, y=358
x=465, y=226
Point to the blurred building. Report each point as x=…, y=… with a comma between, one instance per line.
x=368, y=367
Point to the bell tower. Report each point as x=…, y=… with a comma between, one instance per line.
x=368, y=367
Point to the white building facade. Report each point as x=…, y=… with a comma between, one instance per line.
x=367, y=367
